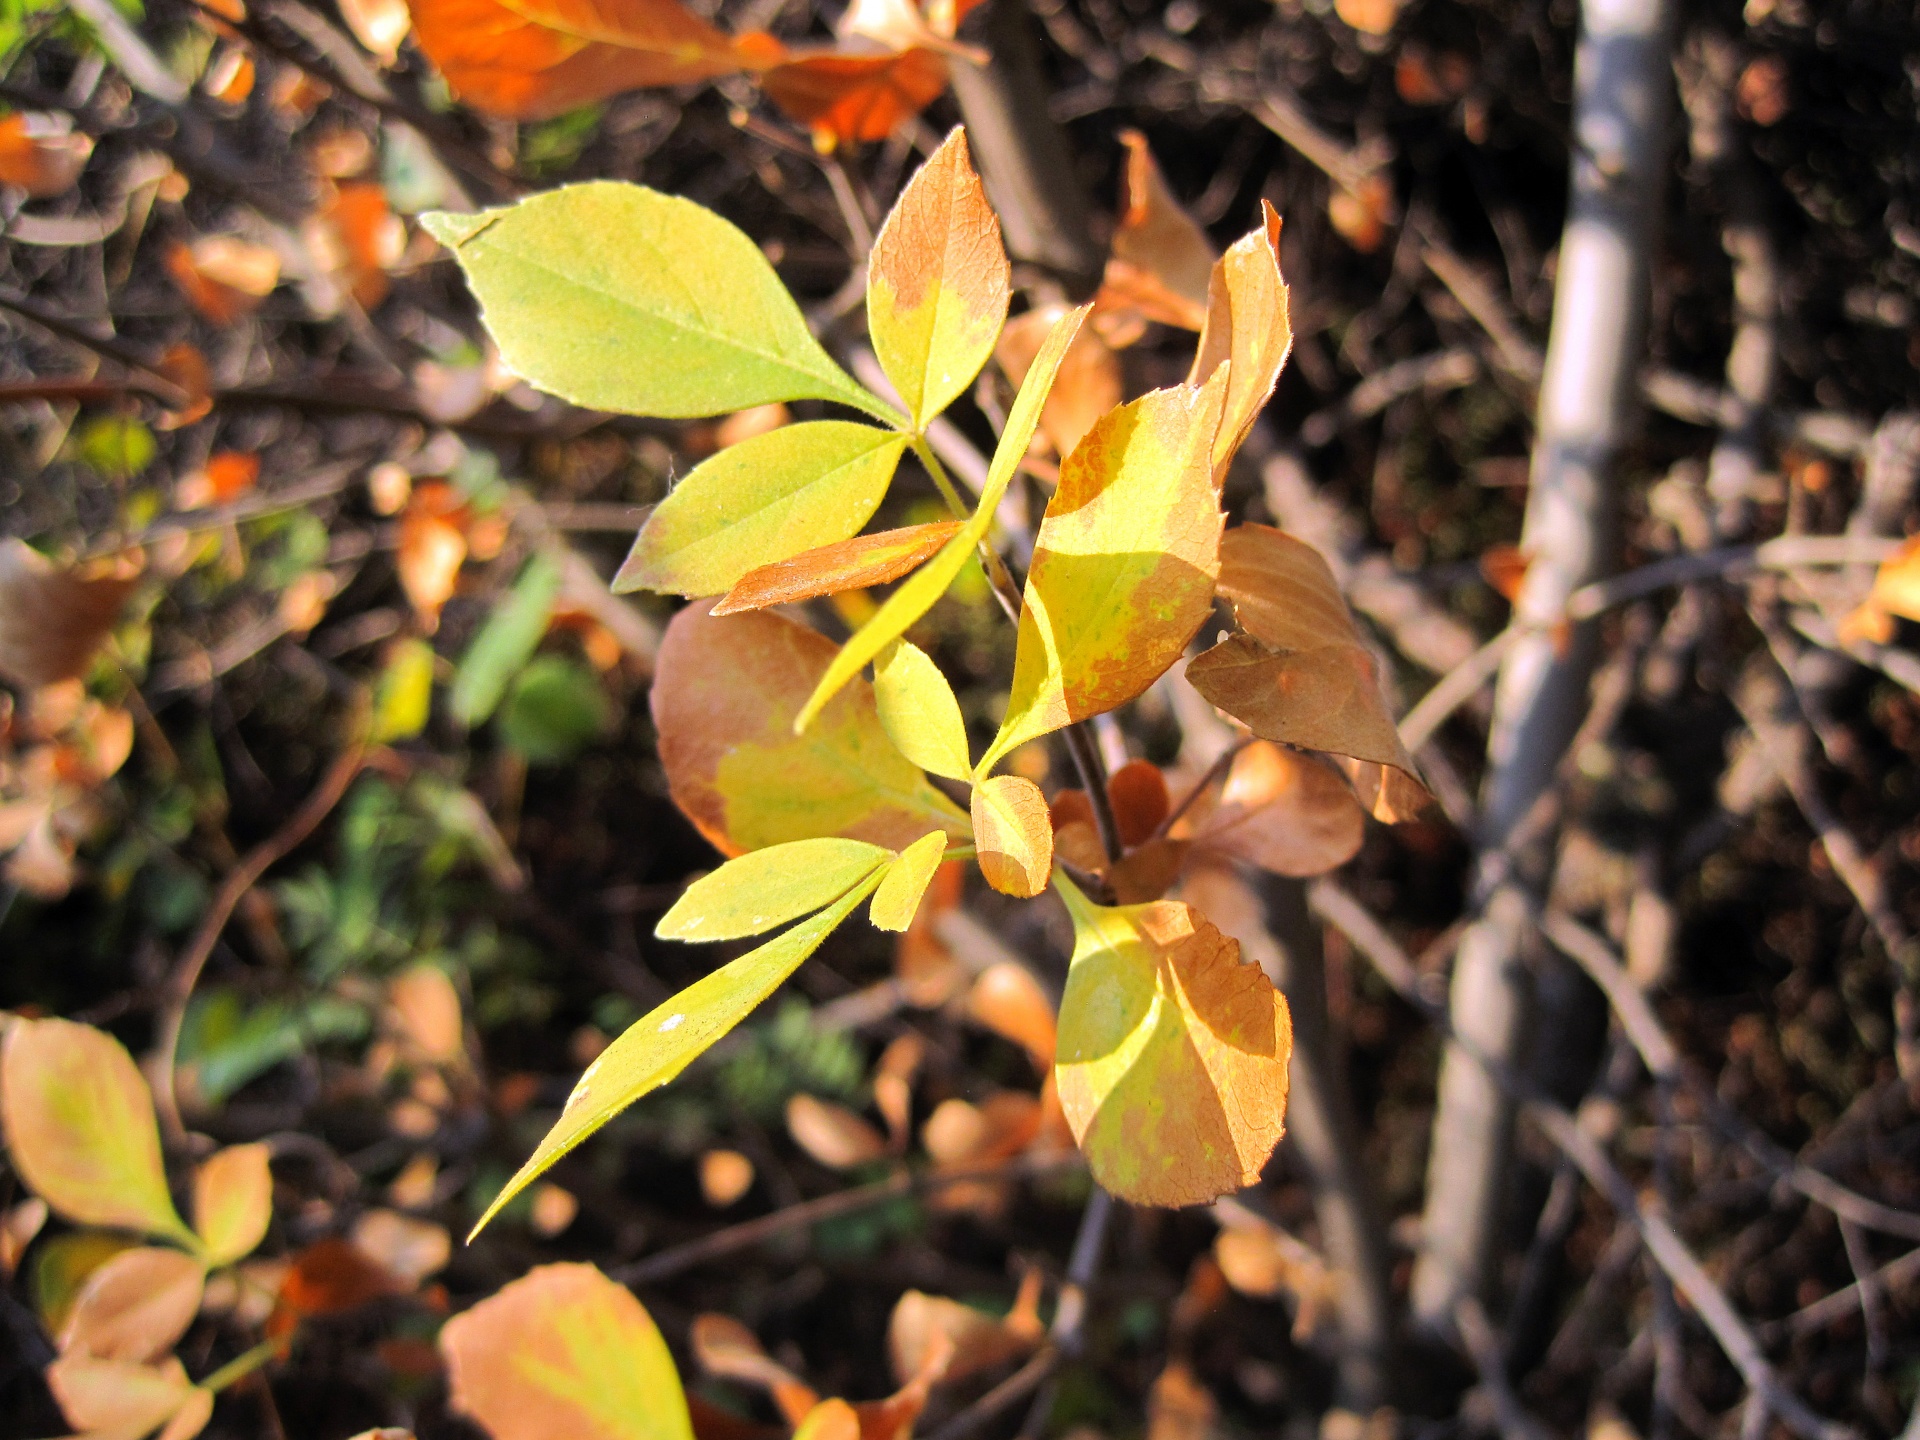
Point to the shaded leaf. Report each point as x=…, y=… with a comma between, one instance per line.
x=506, y=642
x=554, y=710
x=833, y=1134
x=919, y=711
x=1179, y=1406
x=53, y=617
x=729, y=1350
x=1283, y=812
x=1123, y=564
x=1012, y=835
x=725, y=1176
x=662, y=1043
x=937, y=283
x=563, y=1353
x=1160, y=257
x=831, y=569
x=423, y=1013
x=767, y=499
x=1137, y=791
x=233, y=1202
x=136, y=1306
x=898, y=898
x=80, y=1129
x=690, y=319
x=724, y=695
x=764, y=888
x=117, y=1397
x=1089, y=383
x=1173, y=1053
x=335, y=1275
x=1009, y=1001
x=533, y=59
x=1248, y=325
x=917, y=594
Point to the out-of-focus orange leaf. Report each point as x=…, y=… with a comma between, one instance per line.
x=728, y=1349
x=186, y=366
x=1422, y=80
x=1138, y=793
x=1148, y=871
x=1260, y=1259
x=1369, y=17
x=1249, y=326
x=227, y=475
x=222, y=276
x=233, y=1202
x=893, y=1085
x=534, y=59
x=42, y=154
x=726, y=689
x=136, y=1306
x=1161, y=257
x=553, y=1210
x=229, y=79
x=922, y=963
x=851, y=99
x=1361, y=214
x=844, y=565
x=18, y=1227
x=407, y=1249
x=433, y=546
x=424, y=1011
x=335, y=1275
x=961, y=1134
x=1179, y=1407
x=833, y=1134
x=1299, y=673
x=1504, y=567
x=379, y=25
x=725, y=1175
x=932, y=1333
x=1087, y=385
x=1896, y=592
x=1761, y=94
x=1283, y=812
x=53, y=617
x=355, y=237
x=296, y=94
x=1009, y=1001
x=120, y=1398
x=1012, y=835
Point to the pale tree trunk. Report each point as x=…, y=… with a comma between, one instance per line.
x=1586, y=411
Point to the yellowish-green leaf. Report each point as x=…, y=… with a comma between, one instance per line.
x=662, y=1043
x=1173, y=1051
x=80, y=1128
x=724, y=694
x=769, y=498
x=1013, y=835
x=617, y=297
x=937, y=283
x=233, y=1201
x=1123, y=565
x=563, y=1353
x=920, y=590
x=506, y=642
x=404, y=697
x=1248, y=328
x=906, y=880
x=765, y=888
x=919, y=710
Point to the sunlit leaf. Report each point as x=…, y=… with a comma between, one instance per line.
x=80, y=1129
x=688, y=318
x=767, y=499
x=406, y=1248
x=724, y=694
x=919, y=711
x=1123, y=565
x=1173, y=1053
x=531, y=59
x=1161, y=257
x=764, y=888
x=850, y=99
x=906, y=880
x=831, y=569
x=136, y=1306
x=1247, y=325
x=937, y=283
x=917, y=594
x=563, y=1353
x=233, y=1201
x=1284, y=812
x=831, y=1419
x=42, y=154
x=380, y=25
x=833, y=1134
x=506, y=642
x=1300, y=674
x=423, y=1014
x=1012, y=834
x=662, y=1043
x=223, y=276
x=53, y=617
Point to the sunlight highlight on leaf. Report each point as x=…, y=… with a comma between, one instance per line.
x=765, y=888
x=1249, y=326
x=833, y=569
x=906, y=880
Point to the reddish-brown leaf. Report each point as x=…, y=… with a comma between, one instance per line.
x=848, y=99
x=1138, y=793
x=831, y=569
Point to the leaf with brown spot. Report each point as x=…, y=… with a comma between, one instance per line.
x=1012, y=835
x=1172, y=1065
x=53, y=617
x=1161, y=258
x=1283, y=812
x=937, y=283
x=1248, y=326
x=136, y=1306
x=854, y=564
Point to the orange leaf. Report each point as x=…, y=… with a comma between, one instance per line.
x=1161, y=257
x=1361, y=214
x=534, y=59
x=893, y=1085
x=1248, y=325
x=728, y=1349
x=847, y=99
x=356, y=237
x=833, y=1134
x=1013, y=835
x=233, y=1202
x=229, y=79
x=930, y=1333
x=222, y=276
x=42, y=154
x=334, y=1275
x=725, y=1176
x=432, y=548
x=1009, y=1001
x=409, y=1250
x=1087, y=385
x=1504, y=567
x=1896, y=585
x=186, y=366
x=1138, y=793
x=725, y=692
x=227, y=476
x=1369, y=17
x=1283, y=812
x=1179, y=1407
x=424, y=1010
x=844, y=565
x=136, y=1306
x=53, y=618
x=959, y=1134
x=925, y=967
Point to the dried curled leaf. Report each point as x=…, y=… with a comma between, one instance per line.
x=1284, y=812
x=53, y=617
x=1248, y=325
x=1172, y=1065
x=929, y=1332
x=724, y=695
x=1161, y=258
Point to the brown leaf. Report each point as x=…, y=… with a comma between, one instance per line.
x=922, y=963
x=335, y=1275
x=725, y=1176
x=1283, y=812
x=833, y=1134
x=1012, y=835
x=42, y=154
x=932, y=1334
x=553, y=1210
x=1260, y=1259
x=1161, y=257
x=960, y=1134
x=423, y=1009
x=355, y=237
x=1009, y=1001
x=1761, y=94
x=1138, y=793
x=1249, y=327
x=844, y=565
x=728, y=1349
x=1087, y=385
x=136, y=1306
x=1148, y=872
x=535, y=59
x=1361, y=214
x=53, y=617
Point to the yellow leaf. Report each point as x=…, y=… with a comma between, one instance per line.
x=563, y=1353
x=80, y=1128
x=232, y=1202
x=898, y=898
x=845, y=565
x=830, y=1420
x=136, y=1306
x=919, y=711
x=1172, y=1065
x=757, y=891
x=1247, y=326
x=724, y=695
x=1123, y=564
x=1013, y=835
x=937, y=283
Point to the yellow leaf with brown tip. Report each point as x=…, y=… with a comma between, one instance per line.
x=1172, y=1064
x=1012, y=835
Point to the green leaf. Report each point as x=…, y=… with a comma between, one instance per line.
x=506, y=642
x=769, y=498
x=918, y=709
x=769, y=887
x=617, y=297
x=555, y=711
x=919, y=591
x=906, y=880
x=667, y=1039
x=404, y=697
x=118, y=446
